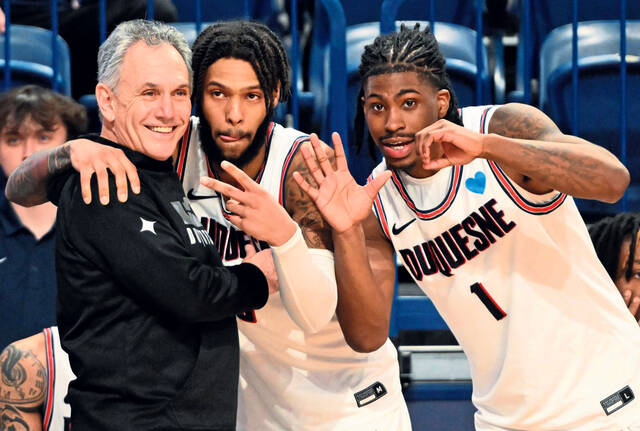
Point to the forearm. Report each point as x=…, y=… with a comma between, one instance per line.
x=27, y=185
x=307, y=283
x=363, y=308
x=573, y=165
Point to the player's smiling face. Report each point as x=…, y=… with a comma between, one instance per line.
x=149, y=109
x=234, y=105
x=396, y=107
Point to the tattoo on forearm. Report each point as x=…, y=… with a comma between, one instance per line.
x=28, y=183
x=316, y=232
x=23, y=378
x=551, y=165
x=59, y=160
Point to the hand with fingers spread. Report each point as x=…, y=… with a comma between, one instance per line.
x=254, y=211
x=264, y=260
x=444, y=143
x=341, y=201
x=89, y=158
x=632, y=300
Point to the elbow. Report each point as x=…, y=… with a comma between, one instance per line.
x=617, y=185
x=366, y=343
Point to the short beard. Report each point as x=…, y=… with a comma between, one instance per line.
x=213, y=152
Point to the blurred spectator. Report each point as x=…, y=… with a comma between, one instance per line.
x=78, y=24
x=32, y=118
x=616, y=242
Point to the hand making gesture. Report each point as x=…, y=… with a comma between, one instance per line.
x=459, y=145
x=341, y=201
x=255, y=212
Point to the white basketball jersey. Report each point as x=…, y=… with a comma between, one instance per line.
x=290, y=380
x=56, y=413
x=549, y=340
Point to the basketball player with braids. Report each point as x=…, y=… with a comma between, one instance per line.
x=478, y=208
x=616, y=242
x=296, y=370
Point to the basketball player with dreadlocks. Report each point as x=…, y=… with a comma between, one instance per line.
x=478, y=209
x=296, y=370
x=616, y=242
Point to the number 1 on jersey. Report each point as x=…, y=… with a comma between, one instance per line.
x=487, y=300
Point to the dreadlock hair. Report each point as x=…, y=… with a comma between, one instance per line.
x=608, y=235
x=407, y=50
x=243, y=40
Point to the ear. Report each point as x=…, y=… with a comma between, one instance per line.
x=443, y=97
x=276, y=96
x=105, y=99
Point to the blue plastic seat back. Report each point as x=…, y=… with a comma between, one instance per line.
x=599, y=92
x=547, y=15
x=216, y=10
x=458, y=45
x=31, y=58
x=452, y=11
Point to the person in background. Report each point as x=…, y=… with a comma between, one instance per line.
x=32, y=118
x=616, y=242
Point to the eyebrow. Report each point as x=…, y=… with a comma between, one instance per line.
x=154, y=85
x=221, y=85
x=406, y=90
x=398, y=94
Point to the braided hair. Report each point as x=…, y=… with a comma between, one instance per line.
x=608, y=235
x=407, y=50
x=244, y=40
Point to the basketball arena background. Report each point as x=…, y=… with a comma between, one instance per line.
x=577, y=60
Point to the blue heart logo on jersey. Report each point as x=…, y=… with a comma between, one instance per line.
x=477, y=183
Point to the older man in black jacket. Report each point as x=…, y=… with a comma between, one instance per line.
x=146, y=310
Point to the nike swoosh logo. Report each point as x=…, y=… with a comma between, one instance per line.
x=396, y=230
x=194, y=197
x=3, y=259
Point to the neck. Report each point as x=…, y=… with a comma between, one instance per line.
x=38, y=219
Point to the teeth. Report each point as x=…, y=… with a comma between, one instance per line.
x=161, y=129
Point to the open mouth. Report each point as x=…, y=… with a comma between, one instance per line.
x=397, y=147
x=161, y=129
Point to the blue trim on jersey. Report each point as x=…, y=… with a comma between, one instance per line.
x=450, y=195
x=538, y=208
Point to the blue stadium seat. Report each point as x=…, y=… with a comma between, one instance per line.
x=545, y=15
x=452, y=11
x=31, y=58
x=216, y=10
x=599, y=88
x=457, y=44
x=324, y=105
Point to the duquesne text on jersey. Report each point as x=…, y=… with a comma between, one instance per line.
x=458, y=244
x=230, y=242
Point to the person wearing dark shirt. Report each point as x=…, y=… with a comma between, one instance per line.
x=146, y=310
x=32, y=118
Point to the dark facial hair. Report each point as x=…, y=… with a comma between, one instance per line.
x=213, y=152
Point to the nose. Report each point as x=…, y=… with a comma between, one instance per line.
x=394, y=121
x=166, y=107
x=30, y=147
x=233, y=111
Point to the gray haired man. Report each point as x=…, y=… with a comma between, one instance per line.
x=146, y=310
